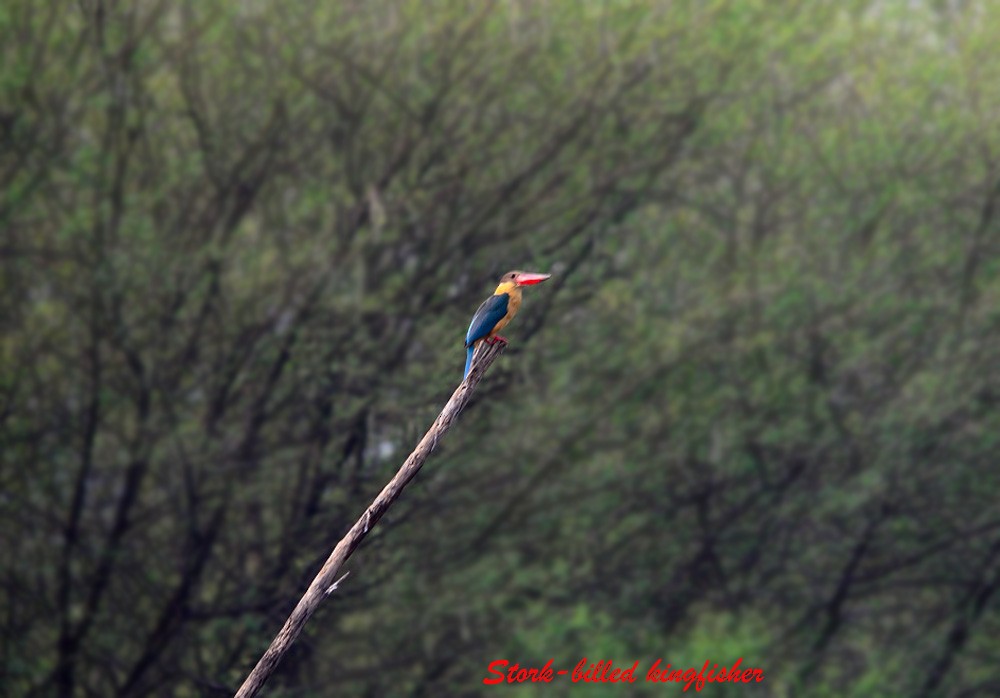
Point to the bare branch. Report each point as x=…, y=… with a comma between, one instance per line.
x=326, y=580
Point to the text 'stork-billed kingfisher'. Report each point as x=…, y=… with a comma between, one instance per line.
x=497, y=311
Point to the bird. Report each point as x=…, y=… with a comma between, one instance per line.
x=497, y=311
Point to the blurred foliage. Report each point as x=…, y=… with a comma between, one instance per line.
x=755, y=413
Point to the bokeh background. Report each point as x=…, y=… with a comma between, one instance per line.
x=755, y=413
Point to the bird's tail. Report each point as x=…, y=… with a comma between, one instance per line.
x=468, y=358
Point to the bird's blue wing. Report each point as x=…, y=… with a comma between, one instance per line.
x=486, y=318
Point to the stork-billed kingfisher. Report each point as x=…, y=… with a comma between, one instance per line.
x=497, y=311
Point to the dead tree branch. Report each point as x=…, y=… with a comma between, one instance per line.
x=327, y=580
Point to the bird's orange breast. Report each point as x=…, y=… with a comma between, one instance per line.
x=513, y=305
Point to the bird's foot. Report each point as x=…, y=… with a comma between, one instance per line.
x=497, y=338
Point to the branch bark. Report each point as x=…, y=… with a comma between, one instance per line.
x=327, y=579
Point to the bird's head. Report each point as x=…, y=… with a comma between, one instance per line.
x=513, y=279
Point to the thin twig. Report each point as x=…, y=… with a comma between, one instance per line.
x=333, y=587
x=324, y=582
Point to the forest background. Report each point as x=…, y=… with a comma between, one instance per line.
x=755, y=413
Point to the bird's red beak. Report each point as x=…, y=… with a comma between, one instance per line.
x=526, y=279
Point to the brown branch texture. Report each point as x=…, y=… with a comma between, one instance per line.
x=327, y=579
